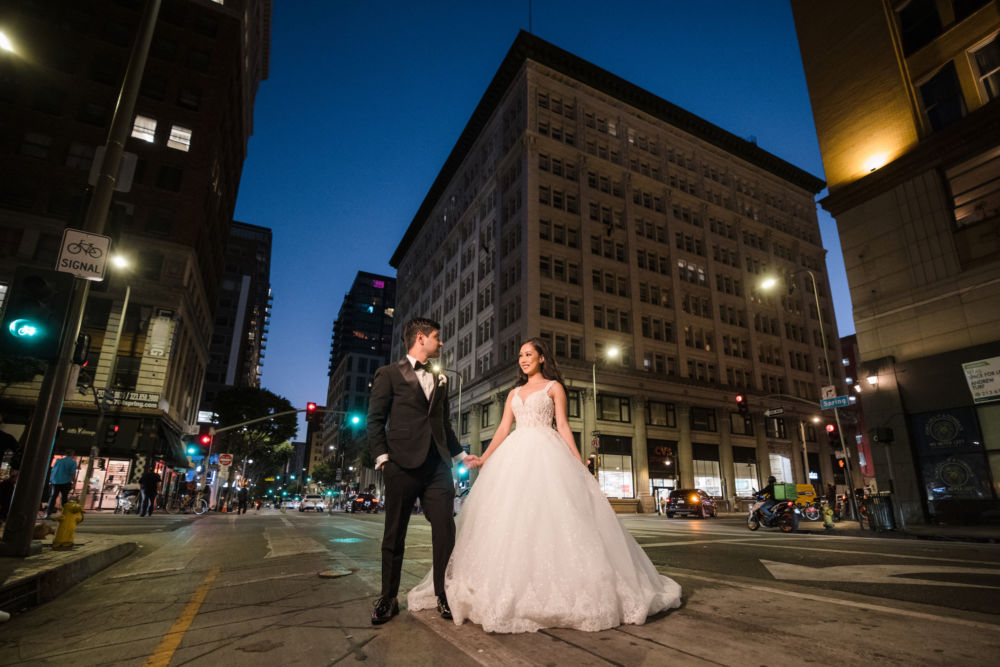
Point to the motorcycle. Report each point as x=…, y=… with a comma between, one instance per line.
x=784, y=515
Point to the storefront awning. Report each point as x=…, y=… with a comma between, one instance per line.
x=173, y=448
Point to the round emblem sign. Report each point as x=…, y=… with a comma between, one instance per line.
x=225, y=459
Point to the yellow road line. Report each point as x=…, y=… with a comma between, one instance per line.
x=168, y=645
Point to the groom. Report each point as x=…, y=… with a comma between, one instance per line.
x=415, y=455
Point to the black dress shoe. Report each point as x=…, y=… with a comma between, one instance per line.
x=443, y=607
x=385, y=608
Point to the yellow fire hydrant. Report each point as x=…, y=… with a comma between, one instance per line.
x=827, y=516
x=72, y=514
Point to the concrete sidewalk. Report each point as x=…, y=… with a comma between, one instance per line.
x=981, y=533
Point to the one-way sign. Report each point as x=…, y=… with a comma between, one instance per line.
x=774, y=412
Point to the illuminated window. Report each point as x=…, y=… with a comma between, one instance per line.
x=987, y=61
x=144, y=128
x=180, y=138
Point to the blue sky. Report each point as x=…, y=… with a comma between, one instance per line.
x=365, y=100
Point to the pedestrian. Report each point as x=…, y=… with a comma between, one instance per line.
x=242, y=498
x=61, y=481
x=831, y=495
x=149, y=485
x=415, y=456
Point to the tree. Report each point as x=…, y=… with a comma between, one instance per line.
x=325, y=472
x=265, y=441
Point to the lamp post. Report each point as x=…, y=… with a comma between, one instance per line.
x=437, y=368
x=610, y=353
x=771, y=282
x=102, y=406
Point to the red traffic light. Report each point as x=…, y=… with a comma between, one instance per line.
x=205, y=439
x=310, y=407
x=830, y=428
x=739, y=398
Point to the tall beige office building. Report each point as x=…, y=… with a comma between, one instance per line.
x=905, y=99
x=578, y=207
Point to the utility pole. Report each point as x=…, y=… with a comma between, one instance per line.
x=17, y=536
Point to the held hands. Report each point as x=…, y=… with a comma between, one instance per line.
x=472, y=461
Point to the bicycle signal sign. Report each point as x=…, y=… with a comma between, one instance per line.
x=83, y=254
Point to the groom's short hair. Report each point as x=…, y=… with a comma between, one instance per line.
x=418, y=325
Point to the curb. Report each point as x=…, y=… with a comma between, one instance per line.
x=48, y=583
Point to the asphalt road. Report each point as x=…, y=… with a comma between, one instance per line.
x=248, y=590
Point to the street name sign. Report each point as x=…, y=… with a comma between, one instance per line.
x=835, y=402
x=774, y=412
x=84, y=255
x=225, y=460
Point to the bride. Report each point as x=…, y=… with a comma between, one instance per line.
x=538, y=544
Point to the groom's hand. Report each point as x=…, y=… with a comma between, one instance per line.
x=472, y=461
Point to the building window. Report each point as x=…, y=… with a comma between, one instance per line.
x=740, y=425
x=942, y=98
x=703, y=419
x=573, y=403
x=661, y=414
x=484, y=416
x=975, y=188
x=615, y=469
x=36, y=145
x=180, y=138
x=919, y=24
x=613, y=408
x=987, y=60
x=144, y=128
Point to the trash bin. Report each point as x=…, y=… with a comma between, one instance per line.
x=880, y=514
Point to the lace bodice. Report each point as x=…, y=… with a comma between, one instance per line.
x=535, y=411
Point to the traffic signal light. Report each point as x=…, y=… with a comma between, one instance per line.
x=463, y=472
x=204, y=441
x=741, y=405
x=110, y=434
x=312, y=412
x=355, y=420
x=35, y=313
x=832, y=437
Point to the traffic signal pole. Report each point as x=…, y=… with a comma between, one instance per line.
x=18, y=532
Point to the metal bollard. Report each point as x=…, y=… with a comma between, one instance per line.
x=72, y=514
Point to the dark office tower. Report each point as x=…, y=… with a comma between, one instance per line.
x=193, y=118
x=906, y=100
x=361, y=342
x=581, y=208
x=239, y=339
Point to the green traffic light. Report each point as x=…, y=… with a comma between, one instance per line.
x=355, y=420
x=23, y=328
x=192, y=450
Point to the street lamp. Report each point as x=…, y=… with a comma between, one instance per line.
x=103, y=405
x=610, y=353
x=437, y=368
x=770, y=282
x=5, y=43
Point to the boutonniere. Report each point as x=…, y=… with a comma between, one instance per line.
x=442, y=380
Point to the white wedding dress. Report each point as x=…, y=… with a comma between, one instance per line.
x=538, y=544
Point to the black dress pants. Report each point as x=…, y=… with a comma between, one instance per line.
x=432, y=484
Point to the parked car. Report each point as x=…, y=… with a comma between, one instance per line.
x=691, y=502
x=312, y=503
x=364, y=502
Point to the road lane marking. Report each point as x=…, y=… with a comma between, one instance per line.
x=936, y=618
x=874, y=574
x=168, y=645
x=285, y=544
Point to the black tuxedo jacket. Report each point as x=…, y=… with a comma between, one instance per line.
x=403, y=423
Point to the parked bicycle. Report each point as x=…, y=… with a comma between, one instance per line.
x=187, y=503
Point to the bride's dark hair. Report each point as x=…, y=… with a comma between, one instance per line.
x=550, y=371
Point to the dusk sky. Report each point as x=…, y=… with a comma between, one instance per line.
x=365, y=100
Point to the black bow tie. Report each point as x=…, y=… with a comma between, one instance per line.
x=418, y=366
